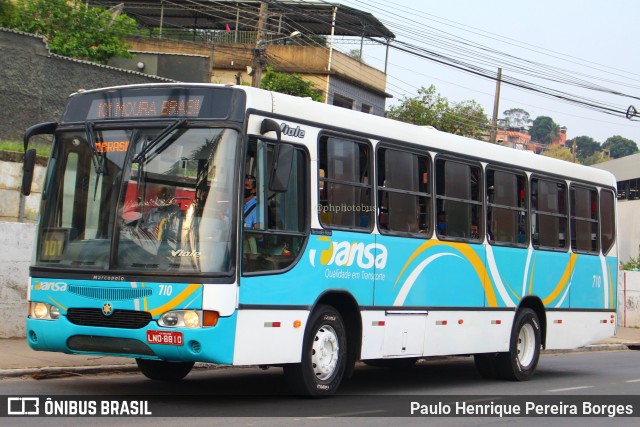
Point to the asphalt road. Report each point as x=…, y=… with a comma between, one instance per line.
x=253, y=397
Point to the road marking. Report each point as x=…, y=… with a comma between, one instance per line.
x=570, y=388
x=633, y=381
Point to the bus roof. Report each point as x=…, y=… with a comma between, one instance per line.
x=318, y=114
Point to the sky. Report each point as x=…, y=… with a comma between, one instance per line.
x=594, y=40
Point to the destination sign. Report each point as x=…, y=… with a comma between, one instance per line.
x=145, y=107
x=156, y=102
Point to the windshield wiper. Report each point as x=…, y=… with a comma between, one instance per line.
x=155, y=141
x=91, y=142
x=95, y=159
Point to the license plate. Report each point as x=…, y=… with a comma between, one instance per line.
x=164, y=337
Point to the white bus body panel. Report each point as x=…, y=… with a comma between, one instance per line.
x=566, y=330
x=220, y=298
x=258, y=343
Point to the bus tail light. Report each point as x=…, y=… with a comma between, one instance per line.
x=210, y=318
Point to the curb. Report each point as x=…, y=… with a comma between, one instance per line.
x=593, y=347
x=65, y=371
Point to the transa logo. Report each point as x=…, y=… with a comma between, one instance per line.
x=49, y=286
x=345, y=254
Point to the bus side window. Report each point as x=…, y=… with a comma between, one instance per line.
x=506, y=207
x=607, y=220
x=403, y=192
x=584, y=219
x=549, y=214
x=346, y=184
x=277, y=236
x=458, y=199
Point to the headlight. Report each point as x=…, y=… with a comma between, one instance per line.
x=43, y=311
x=191, y=319
x=181, y=318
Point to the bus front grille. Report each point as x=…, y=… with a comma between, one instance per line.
x=125, y=319
x=110, y=294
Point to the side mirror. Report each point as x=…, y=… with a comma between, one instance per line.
x=269, y=125
x=27, y=171
x=47, y=128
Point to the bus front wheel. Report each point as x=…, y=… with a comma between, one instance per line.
x=324, y=353
x=520, y=362
x=164, y=371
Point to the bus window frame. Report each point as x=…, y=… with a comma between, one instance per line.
x=573, y=185
x=481, y=198
x=305, y=234
x=567, y=239
x=385, y=145
x=527, y=208
x=372, y=199
x=613, y=217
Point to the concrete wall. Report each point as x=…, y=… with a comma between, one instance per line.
x=16, y=246
x=10, y=188
x=628, y=229
x=186, y=68
x=629, y=299
x=35, y=84
x=359, y=95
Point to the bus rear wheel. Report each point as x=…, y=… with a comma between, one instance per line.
x=164, y=371
x=520, y=362
x=324, y=353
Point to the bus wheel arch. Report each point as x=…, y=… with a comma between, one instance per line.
x=534, y=303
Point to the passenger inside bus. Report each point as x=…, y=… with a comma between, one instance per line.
x=250, y=202
x=249, y=213
x=442, y=223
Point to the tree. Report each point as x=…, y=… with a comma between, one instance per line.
x=466, y=118
x=544, y=130
x=558, y=152
x=7, y=13
x=429, y=108
x=597, y=157
x=76, y=30
x=426, y=109
x=517, y=118
x=355, y=54
x=619, y=146
x=291, y=84
x=586, y=147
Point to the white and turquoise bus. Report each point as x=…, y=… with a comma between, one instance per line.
x=370, y=239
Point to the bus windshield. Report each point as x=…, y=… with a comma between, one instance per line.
x=146, y=199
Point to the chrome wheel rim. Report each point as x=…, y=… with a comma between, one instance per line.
x=324, y=352
x=526, y=345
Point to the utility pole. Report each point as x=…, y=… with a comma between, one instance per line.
x=258, y=53
x=496, y=101
x=574, y=149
